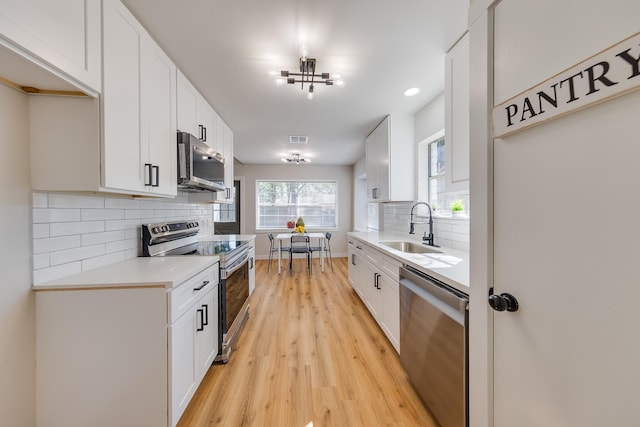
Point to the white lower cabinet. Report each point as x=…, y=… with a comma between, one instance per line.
x=194, y=345
x=375, y=277
x=124, y=356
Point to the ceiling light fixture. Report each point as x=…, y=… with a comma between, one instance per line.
x=411, y=91
x=308, y=75
x=295, y=158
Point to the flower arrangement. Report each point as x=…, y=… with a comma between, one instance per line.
x=299, y=225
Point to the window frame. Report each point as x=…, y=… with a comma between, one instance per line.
x=284, y=228
x=424, y=164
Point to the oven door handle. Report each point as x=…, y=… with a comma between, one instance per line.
x=236, y=264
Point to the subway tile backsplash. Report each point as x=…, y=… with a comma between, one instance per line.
x=449, y=232
x=74, y=233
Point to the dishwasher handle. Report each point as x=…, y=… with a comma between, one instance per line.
x=449, y=296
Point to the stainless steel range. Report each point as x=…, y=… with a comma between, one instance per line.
x=181, y=238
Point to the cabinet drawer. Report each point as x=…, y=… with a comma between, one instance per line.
x=373, y=255
x=358, y=247
x=185, y=295
x=391, y=267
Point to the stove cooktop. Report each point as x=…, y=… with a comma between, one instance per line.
x=207, y=248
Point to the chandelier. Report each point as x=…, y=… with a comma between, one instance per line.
x=307, y=75
x=295, y=158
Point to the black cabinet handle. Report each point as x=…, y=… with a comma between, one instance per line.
x=353, y=259
x=204, y=283
x=204, y=133
x=206, y=315
x=157, y=168
x=201, y=129
x=251, y=263
x=148, y=173
x=201, y=314
x=503, y=302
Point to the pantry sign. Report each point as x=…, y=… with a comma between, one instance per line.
x=612, y=72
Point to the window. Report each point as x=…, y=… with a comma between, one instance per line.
x=282, y=201
x=436, y=176
x=224, y=212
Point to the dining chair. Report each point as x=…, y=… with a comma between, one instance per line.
x=274, y=247
x=326, y=247
x=300, y=245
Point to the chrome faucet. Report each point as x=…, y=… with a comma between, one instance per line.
x=428, y=239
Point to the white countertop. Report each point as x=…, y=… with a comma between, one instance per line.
x=451, y=266
x=142, y=271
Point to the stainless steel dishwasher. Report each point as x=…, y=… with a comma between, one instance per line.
x=433, y=344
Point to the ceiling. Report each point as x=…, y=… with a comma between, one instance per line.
x=380, y=48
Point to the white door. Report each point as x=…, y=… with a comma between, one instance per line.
x=566, y=240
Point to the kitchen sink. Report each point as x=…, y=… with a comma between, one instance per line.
x=411, y=248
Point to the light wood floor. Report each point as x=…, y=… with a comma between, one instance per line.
x=310, y=355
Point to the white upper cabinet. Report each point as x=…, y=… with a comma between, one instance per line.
x=187, y=106
x=457, y=116
x=226, y=195
x=126, y=141
x=139, y=97
x=195, y=115
x=390, y=160
x=158, y=121
x=62, y=36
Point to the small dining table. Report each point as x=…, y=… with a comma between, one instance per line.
x=287, y=236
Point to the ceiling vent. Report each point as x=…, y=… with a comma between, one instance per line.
x=298, y=139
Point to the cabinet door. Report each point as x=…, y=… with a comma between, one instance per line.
x=123, y=165
x=457, y=116
x=63, y=33
x=206, y=332
x=206, y=122
x=352, y=264
x=227, y=195
x=187, y=105
x=370, y=279
x=184, y=377
x=158, y=130
x=390, y=316
x=377, y=163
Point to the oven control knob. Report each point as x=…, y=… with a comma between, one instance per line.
x=155, y=229
x=195, y=224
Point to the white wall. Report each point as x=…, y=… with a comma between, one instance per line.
x=430, y=119
x=343, y=175
x=17, y=308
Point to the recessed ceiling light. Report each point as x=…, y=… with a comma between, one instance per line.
x=411, y=91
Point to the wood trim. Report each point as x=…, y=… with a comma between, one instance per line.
x=37, y=91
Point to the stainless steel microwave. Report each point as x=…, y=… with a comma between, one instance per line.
x=200, y=167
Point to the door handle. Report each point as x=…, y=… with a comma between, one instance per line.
x=201, y=315
x=157, y=169
x=502, y=302
x=205, y=321
x=149, y=174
